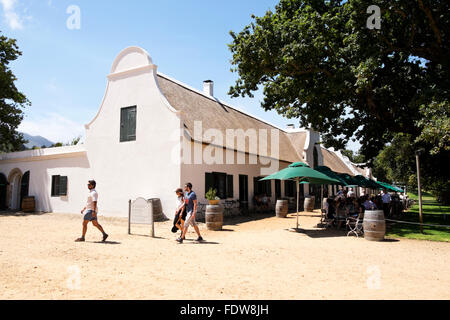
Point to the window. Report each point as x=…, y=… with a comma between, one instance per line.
x=278, y=189
x=222, y=182
x=289, y=188
x=59, y=186
x=262, y=187
x=128, y=124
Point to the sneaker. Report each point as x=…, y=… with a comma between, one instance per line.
x=199, y=239
x=105, y=236
x=179, y=240
x=80, y=240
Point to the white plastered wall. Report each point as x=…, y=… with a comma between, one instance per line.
x=145, y=167
x=42, y=165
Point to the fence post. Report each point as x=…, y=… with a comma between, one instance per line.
x=129, y=216
x=152, y=220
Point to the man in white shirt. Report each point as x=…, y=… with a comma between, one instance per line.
x=91, y=214
x=386, y=198
x=350, y=193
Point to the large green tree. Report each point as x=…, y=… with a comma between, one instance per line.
x=397, y=163
x=12, y=101
x=318, y=61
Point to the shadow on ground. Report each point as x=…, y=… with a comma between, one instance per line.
x=106, y=242
x=320, y=233
x=147, y=236
x=20, y=214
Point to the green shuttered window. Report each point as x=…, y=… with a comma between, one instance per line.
x=128, y=124
x=59, y=186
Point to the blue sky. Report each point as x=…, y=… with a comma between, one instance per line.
x=63, y=72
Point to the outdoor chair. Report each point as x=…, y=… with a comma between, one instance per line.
x=229, y=205
x=355, y=225
x=325, y=221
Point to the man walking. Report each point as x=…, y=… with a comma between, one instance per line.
x=91, y=214
x=191, y=210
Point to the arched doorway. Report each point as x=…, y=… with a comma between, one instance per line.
x=3, y=191
x=24, y=187
x=14, y=188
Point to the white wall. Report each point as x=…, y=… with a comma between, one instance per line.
x=195, y=173
x=77, y=168
x=141, y=168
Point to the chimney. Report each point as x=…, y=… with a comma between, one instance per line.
x=208, y=88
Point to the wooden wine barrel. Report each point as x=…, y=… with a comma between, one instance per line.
x=214, y=217
x=156, y=206
x=309, y=203
x=28, y=204
x=281, y=209
x=374, y=225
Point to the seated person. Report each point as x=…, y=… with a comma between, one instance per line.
x=330, y=208
x=350, y=207
x=360, y=206
x=265, y=202
x=257, y=201
x=341, y=211
x=369, y=205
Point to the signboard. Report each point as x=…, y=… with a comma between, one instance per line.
x=140, y=211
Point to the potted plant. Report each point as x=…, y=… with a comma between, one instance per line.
x=211, y=196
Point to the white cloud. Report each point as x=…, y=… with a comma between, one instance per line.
x=53, y=127
x=12, y=17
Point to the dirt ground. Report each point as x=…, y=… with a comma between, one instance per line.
x=259, y=259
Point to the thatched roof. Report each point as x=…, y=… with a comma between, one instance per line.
x=334, y=162
x=213, y=114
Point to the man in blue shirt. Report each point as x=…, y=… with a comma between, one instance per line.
x=191, y=210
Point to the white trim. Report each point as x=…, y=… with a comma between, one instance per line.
x=129, y=72
x=43, y=154
x=127, y=51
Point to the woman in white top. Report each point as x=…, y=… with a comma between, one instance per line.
x=180, y=212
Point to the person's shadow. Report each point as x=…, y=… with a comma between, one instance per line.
x=107, y=242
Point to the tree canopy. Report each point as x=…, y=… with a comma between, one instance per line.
x=318, y=61
x=12, y=101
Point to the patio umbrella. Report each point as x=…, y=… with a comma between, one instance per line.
x=367, y=183
x=301, y=172
x=349, y=180
x=331, y=174
x=385, y=185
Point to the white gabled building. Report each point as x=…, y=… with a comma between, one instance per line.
x=153, y=134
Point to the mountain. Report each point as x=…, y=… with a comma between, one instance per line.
x=36, y=141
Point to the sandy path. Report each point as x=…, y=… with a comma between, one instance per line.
x=253, y=260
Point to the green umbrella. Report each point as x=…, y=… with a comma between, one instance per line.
x=301, y=172
x=367, y=183
x=385, y=185
x=349, y=180
x=331, y=174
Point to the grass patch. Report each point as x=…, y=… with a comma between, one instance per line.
x=433, y=213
